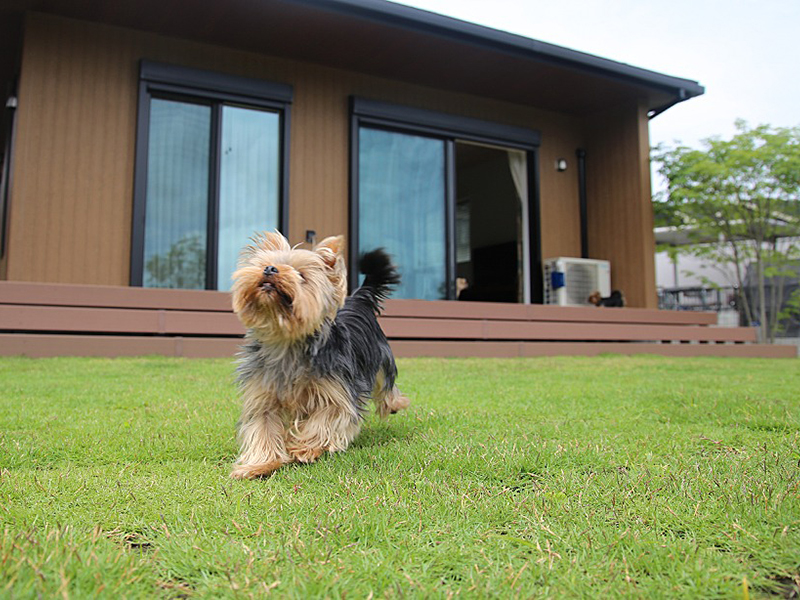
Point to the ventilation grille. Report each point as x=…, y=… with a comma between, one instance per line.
x=570, y=281
x=581, y=281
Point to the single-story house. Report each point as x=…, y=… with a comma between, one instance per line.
x=144, y=142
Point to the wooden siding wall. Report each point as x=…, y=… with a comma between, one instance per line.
x=74, y=162
x=619, y=212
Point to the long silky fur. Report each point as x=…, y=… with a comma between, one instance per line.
x=351, y=349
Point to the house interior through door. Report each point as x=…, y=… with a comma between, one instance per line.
x=491, y=233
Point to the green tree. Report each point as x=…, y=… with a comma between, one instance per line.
x=741, y=198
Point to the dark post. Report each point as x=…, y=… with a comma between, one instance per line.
x=581, y=154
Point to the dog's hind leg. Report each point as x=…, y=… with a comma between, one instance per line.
x=388, y=403
x=387, y=400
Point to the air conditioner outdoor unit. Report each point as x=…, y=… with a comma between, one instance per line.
x=570, y=281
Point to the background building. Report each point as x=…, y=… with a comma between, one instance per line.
x=145, y=142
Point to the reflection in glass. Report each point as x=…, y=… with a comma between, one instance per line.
x=402, y=207
x=249, y=182
x=177, y=195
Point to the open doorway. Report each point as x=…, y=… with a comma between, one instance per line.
x=491, y=224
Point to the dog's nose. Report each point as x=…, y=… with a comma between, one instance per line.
x=270, y=271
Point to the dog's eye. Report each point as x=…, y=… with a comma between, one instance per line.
x=302, y=276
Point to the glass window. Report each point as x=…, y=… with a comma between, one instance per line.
x=209, y=174
x=402, y=207
x=181, y=168
x=448, y=196
x=249, y=182
x=177, y=195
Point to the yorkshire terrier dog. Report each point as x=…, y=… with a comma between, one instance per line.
x=312, y=356
x=615, y=300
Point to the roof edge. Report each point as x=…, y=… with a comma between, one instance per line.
x=416, y=19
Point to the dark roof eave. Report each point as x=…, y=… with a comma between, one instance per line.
x=381, y=38
x=397, y=15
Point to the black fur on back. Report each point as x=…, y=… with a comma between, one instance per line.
x=356, y=348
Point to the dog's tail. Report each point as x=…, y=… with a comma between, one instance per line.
x=381, y=277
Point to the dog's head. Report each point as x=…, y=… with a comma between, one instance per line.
x=284, y=293
x=595, y=298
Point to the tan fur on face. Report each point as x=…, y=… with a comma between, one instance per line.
x=310, y=287
x=331, y=250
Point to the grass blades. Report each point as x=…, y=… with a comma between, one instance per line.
x=552, y=477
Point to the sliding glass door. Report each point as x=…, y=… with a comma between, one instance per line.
x=453, y=199
x=211, y=168
x=207, y=162
x=249, y=194
x=402, y=207
x=176, y=229
x=492, y=241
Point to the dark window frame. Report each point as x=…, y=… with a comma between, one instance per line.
x=8, y=120
x=159, y=80
x=450, y=128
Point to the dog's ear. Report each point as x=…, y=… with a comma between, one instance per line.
x=331, y=250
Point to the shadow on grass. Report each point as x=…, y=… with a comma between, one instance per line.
x=376, y=434
x=781, y=586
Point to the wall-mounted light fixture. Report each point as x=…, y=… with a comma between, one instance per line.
x=561, y=165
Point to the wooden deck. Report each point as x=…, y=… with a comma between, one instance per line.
x=40, y=320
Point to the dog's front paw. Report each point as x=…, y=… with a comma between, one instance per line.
x=305, y=455
x=253, y=471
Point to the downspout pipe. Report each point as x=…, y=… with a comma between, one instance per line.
x=581, y=154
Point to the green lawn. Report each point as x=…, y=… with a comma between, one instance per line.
x=571, y=477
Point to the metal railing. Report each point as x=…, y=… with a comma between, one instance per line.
x=697, y=298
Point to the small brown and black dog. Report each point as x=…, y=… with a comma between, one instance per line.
x=313, y=356
x=616, y=299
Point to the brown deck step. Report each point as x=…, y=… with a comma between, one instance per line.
x=404, y=328
x=17, y=317
x=45, y=345
x=537, y=312
x=20, y=318
x=443, y=349
x=55, y=319
x=99, y=296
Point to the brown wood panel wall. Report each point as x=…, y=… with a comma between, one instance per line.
x=619, y=211
x=73, y=165
x=76, y=138
x=559, y=194
x=647, y=242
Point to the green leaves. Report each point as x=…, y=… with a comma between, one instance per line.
x=747, y=186
x=740, y=201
